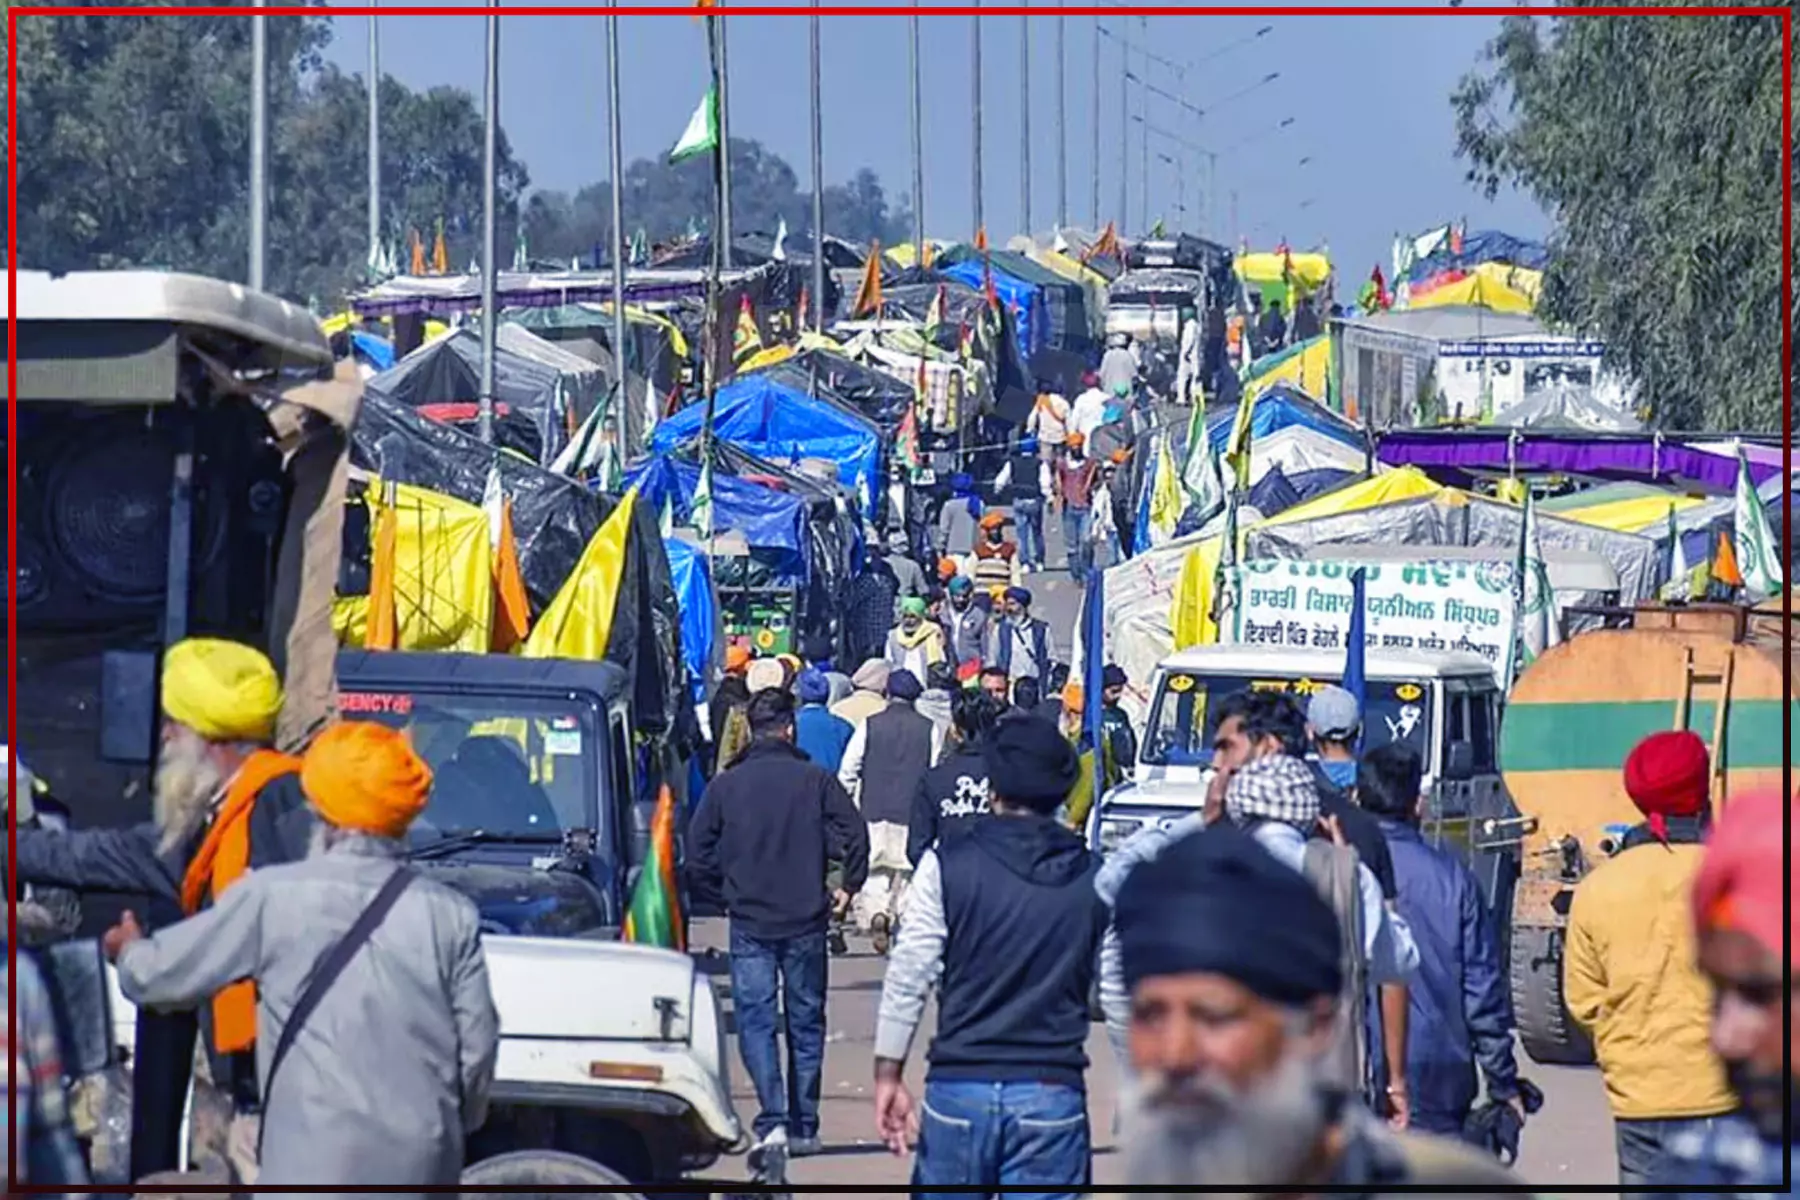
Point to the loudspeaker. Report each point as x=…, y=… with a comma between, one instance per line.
x=93, y=523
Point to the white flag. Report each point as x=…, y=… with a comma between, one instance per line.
x=779, y=254
x=702, y=132
x=1758, y=560
x=1537, y=625
x=493, y=502
x=1681, y=576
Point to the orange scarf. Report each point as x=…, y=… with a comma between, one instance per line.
x=221, y=861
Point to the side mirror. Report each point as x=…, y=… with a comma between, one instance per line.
x=1459, y=762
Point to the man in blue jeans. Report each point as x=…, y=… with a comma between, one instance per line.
x=759, y=842
x=1005, y=919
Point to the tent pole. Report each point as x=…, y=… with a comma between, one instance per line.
x=615, y=153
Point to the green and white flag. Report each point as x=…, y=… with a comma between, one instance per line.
x=521, y=258
x=1200, y=477
x=1681, y=576
x=702, y=132
x=700, y=512
x=1758, y=560
x=1537, y=627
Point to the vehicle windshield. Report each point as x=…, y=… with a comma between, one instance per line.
x=510, y=766
x=1184, y=716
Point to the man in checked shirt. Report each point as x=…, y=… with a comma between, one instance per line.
x=48, y=1154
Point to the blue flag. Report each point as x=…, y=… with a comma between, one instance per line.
x=1093, y=650
x=1355, y=649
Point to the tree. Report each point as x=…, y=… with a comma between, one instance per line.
x=1655, y=143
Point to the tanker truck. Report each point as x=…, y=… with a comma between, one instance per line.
x=1572, y=718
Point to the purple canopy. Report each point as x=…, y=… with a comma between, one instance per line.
x=1453, y=456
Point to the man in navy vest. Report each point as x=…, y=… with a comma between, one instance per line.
x=1006, y=920
x=1022, y=643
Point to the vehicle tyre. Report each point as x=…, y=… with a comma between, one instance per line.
x=549, y=1168
x=1546, y=1031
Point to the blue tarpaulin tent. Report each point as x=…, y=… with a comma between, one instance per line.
x=783, y=424
x=1277, y=409
x=772, y=522
x=1022, y=298
x=699, y=614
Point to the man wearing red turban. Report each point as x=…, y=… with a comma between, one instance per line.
x=1629, y=977
x=1738, y=919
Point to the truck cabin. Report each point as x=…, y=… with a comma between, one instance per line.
x=534, y=771
x=181, y=446
x=1416, y=699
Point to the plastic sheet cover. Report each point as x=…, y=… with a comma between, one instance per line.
x=876, y=395
x=554, y=518
x=699, y=612
x=771, y=522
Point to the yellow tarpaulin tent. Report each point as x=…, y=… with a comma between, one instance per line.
x=1269, y=267
x=1494, y=286
x=1634, y=515
x=443, y=575
x=1191, y=619
x=578, y=622
x=808, y=340
x=1305, y=366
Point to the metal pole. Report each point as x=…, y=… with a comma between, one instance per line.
x=259, y=145
x=1144, y=132
x=1094, y=162
x=817, y=310
x=490, y=230
x=975, y=74
x=1025, y=123
x=1124, y=213
x=918, y=138
x=1062, y=129
x=374, y=138
x=724, y=230
x=616, y=162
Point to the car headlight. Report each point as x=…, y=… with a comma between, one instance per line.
x=1114, y=831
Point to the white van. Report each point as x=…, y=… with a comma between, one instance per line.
x=1446, y=706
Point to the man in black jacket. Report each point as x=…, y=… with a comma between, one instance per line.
x=1007, y=920
x=955, y=792
x=759, y=843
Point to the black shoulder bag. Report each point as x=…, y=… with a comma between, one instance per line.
x=331, y=964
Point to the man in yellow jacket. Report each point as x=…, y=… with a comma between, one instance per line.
x=1629, y=973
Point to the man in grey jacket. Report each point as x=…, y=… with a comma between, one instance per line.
x=391, y=1069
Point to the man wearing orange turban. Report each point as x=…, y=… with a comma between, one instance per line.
x=392, y=1065
x=1629, y=978
x=1738, y=902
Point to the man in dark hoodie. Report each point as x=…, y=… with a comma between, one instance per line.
x=955, y=792
x=1007, y=922
x=760, y=842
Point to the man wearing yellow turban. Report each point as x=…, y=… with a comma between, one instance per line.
x=391, y=1067
x=224, y=803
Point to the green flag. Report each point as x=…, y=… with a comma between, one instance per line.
x=700, y=510
x=702, y=132
x=654, y=918
x=1758, y=560
x=1681, y=576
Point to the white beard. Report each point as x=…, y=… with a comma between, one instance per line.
x=188, y=782
x=1205, y=1133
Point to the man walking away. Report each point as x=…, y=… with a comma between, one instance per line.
x=821, y=736
x=1118, y=365
x=1459, y=1006
x=955, y=792
x=1234, y=967
x=1629, y=975
x=870, y=694
x=377, y=1064
x=1006, y=923
x=1022, y=643
x=1048, y=423
x=1739, y=895
x=1074, y=478
x=882, y=767
x=1023, y=483
x=760, y=841
x=908, y=575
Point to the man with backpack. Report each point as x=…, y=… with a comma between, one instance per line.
x=1270, y=794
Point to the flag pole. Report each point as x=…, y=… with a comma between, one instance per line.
x=715, y=57
x=616, y=155
x=818, y=182
x=1025, y=124
x=722, y=230
x=374, y=143
x=975, y=109
x=490, y=229
x=259, y=146
x=918, y=140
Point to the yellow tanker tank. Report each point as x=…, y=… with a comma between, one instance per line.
x=1572, y=718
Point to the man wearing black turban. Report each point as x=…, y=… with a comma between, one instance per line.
x=1006, y=916
x=1233, y=963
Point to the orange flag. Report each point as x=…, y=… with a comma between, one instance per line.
x=981, y=242
x=440, y=254
x=1725, y=564
x=512, y=609
x=868, y=295
x=418, y=253
x=383, y=628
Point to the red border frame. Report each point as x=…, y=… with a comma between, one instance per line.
x=789, y=9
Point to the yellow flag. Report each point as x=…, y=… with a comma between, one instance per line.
x=578, y=622
x=383, y=632
x=1165, y=496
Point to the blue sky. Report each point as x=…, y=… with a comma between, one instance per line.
x=1368, y=98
